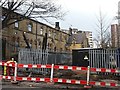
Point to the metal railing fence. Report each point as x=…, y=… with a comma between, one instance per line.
x=38, y=56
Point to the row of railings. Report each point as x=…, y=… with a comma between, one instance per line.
x=39, y=56
x=33, y=56
x=52, y=77
x=105, y=58
x=97, y=57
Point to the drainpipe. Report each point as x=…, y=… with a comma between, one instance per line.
x=36, y=35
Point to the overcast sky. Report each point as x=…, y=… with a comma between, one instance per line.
x=82, y=13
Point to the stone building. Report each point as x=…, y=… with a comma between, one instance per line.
x=77, y=40
x=31, y=32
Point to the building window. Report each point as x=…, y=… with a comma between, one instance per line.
x=30, y=45
x=66, y=38
x=55, y=35
x=54, y=48
x=29, y=27
x=41, y=31
x=60, y=36
x=49, y=33
x=3, y=17
x=63, y=38
x=16, y=24
x=74, y=41
x=39, y=44
x=31, y=41
x=13, y=44
x=48, y=45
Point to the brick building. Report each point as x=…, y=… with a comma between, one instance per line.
x=114, y=35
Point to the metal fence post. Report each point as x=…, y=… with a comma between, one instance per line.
x=88, y=75
x=51, y=76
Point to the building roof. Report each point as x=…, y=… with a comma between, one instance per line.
x=35, y=20
x=78, y=38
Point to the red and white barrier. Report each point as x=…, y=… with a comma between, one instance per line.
x=70, y=67
x=61, y=67
x=55, y=80
x=6, y=77
x=111, y=84
x=51, y=79
x=104, y=70
x=7, y=64
x=85, y=69
x=33, y=66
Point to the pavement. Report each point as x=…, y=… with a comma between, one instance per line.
x=24, y=85
x=41, y=85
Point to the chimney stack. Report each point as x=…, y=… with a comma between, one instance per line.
x=57, y=25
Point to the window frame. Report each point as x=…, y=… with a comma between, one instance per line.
x=29, y=27
x=41, y=31
x=16, y=24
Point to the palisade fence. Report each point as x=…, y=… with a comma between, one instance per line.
x=37, y=56
x=97, y=58
x=32, y=56
x=62, y=58
x=104, y=58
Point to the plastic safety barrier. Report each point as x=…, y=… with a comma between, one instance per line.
x=62, y=67
x=83, y=82
x=52, y=79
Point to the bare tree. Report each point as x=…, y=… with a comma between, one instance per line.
x=103, y=38
x=43, y=9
